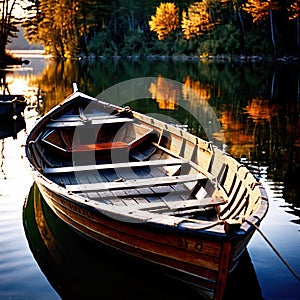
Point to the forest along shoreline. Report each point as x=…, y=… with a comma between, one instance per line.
x=205, y=29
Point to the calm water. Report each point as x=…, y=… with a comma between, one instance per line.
x=258, y=107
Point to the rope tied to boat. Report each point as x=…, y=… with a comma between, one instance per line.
x=274, y=249
x=204, y=227
x=233, y=226
x=125, y=112
x=16, y=99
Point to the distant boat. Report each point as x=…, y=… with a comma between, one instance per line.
x=11, y=127
x=146, y=188
x=12, y=105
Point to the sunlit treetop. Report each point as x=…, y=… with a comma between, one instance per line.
x=294, y=10
x=165, y=20
x=260, y=9
x=197, y=20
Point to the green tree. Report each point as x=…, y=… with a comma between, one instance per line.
x=231, y=13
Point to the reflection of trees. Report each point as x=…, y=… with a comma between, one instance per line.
x=263, y=130
x=260, y=110
x=265, y=133
x=164, y=94
x=204, y=90
x=239, y=142
x=56, y=81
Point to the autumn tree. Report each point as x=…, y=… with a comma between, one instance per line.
x=8, y=23
x=262, y=10
x=63, y=27
x=197, y=20
x=165, y=20
x=66, y=28
x=53, y=24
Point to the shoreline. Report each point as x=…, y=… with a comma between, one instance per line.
x=18, y=54
x=186, y=58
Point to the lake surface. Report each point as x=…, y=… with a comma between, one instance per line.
x=251, y=110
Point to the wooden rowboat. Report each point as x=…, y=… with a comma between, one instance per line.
x=11, y=127
x=12, y=105
x=146, y=188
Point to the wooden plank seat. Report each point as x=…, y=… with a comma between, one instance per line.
x=134, y=164
x=136, y=183
x=62, y=140
x=191, y=163
x=142, y=195
x=68, y=150
x=82, y=122
x=183, y=204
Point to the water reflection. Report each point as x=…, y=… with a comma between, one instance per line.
x=78, y=269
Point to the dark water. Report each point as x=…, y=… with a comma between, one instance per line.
x=257, y=107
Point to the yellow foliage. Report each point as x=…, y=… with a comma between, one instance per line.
x=260, y=9
x=165, y=93
x=165, y=20
x=203, y=90
x=196, y=20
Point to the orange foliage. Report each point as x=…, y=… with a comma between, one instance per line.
x=196, y=20
x=259, y=110
x=294, y=10
x=260, y=9
x=239, y=142
x=165, y=21
x=204, y=91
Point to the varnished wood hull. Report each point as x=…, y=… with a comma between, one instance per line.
x=195, y=259
x=199, y=252
x=70, y=266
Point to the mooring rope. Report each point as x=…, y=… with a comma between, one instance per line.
x=275, y=250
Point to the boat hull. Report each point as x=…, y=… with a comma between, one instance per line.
x=10, y=108
x=64, y=259
x=198, y=260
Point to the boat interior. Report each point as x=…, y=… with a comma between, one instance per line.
x=114, y=158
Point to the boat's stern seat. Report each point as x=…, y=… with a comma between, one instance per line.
x=112, y=137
